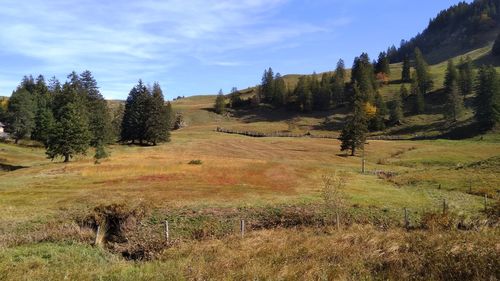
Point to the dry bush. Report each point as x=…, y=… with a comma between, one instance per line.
x=333, y=197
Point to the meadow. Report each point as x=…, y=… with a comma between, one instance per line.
x=205, y=182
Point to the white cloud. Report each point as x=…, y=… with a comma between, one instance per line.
x=122, y=41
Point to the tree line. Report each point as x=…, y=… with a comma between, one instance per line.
x=70, y=118
x=369, y=110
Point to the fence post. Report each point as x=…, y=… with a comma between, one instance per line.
x=363, y=162
x=242, y=228
x=407, y=223
x=167, y=231
x=485, y=201
x=97, y=241
x=444, y=206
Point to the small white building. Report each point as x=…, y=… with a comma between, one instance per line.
x=1, y=127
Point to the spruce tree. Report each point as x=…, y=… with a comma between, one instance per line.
x=97, y=108
x=488, y=97
x=21, y=113
x=70, y=136
x=377, y=123
x=135, y=114
x=220, y=103
x=100, y=153
x=422, y=74
x=157, y=124
x=383, y=65
x=364, y=75
x=353, y=135
x=454, y=104
x=279, y=90
x=396, y=114
x=406, y=73
x=338, y=84
x=267, y=86
x=466, y=77
x=418, y=97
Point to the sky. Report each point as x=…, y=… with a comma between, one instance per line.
x=196, y=47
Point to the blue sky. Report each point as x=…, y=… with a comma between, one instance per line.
x=196, y=46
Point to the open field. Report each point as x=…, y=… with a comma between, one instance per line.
x=260, y=179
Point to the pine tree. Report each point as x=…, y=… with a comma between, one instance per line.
x=116, y=121
x=383, y=65
x=466, y=77
x=406, y=73
x=21, y=112
x=267, y=86
x=338, y=84
x=454, y=104
x=364, y=75
x=488, y=97
x=418, y=97
x=220, y=103
x=279, y=90
x=378, y=121
x=423, y=76
x=135, y=114
x=397, y=109
x=353, y=135
x=97, y=108
x=157, y=124
x=70, y=136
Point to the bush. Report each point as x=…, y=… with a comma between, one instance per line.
x=195, y=162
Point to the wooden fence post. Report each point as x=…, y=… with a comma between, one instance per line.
x=444, y=206
x=242, y=228
x=97, y=240
x=485, y=201
x=167, y=231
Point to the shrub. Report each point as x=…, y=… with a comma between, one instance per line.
x=195, y=162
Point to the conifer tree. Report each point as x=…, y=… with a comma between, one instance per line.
x=488, y=97
x=454, y=104
x=338, y=84
x=267, y=86
x=396, y=114
x=21, y=114
x=353, y=135
x=377, y=123
x=422, y=74
x=157, y=124
x=100, y=153
x=364, y=75
x=279, y=90
x=70, y=136
x=418, y=97
x=97, y=108
x=406, y=73
x=466, y=77
x=383, y=65
x=220, y=103
x=135, y=114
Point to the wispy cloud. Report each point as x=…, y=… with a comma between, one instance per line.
x=124, y=40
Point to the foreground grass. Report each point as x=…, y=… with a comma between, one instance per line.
x=358, y=253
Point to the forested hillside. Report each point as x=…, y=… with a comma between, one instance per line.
x=454, y=31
